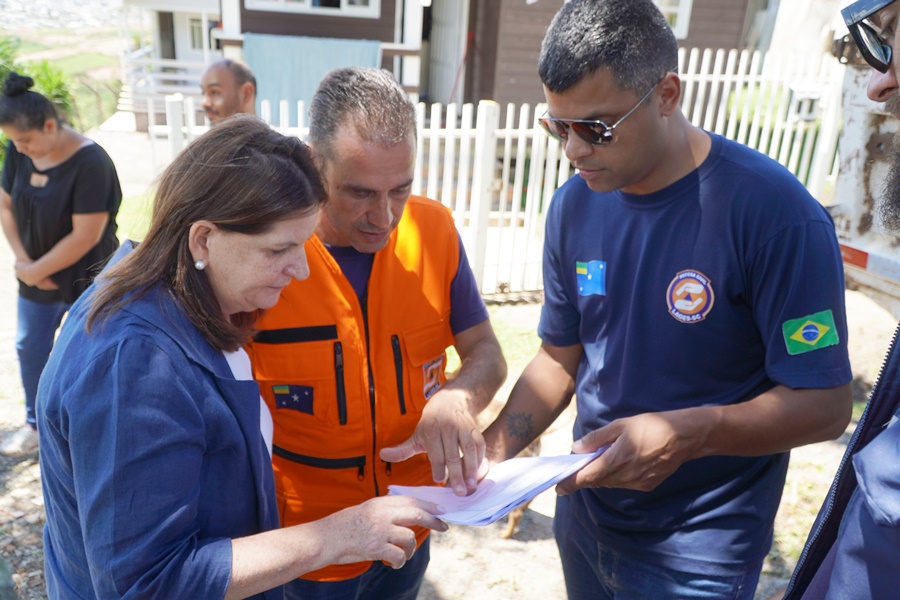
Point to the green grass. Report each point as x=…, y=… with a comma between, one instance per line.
x=78, y=64
x=29, y=46
x=103, y=32
x=134, y=217
x=520, y=343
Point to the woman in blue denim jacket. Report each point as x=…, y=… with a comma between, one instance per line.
x=156, y=473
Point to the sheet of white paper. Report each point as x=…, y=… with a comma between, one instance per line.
x=506, y=486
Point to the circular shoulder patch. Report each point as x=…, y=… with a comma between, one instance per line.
x=690, y=296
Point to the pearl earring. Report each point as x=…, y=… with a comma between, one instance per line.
x=199, y=265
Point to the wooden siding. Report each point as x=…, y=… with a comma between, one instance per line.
x=502, y=60
x=717, y=24
x=484, y=19
x=305, y=24
x=502, y=64
x=518, y=31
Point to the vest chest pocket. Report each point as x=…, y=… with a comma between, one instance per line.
x=419, y=364
x=303, y=381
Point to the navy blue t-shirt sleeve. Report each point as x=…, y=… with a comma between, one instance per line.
x=560, y=319
x=467, y=307
x=798, y=304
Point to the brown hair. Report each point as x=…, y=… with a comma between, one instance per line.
x=243, y=177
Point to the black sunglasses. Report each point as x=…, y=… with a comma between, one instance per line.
x=873, y=47
x=594, y=132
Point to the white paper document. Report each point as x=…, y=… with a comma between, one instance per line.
x=505, y=487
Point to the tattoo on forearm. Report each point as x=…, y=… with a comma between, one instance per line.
x=520, y=426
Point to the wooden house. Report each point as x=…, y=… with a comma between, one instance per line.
x=441, y=50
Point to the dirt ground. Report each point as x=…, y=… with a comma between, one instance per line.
x=467, y=562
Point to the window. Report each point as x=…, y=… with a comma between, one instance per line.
x=196, y=34
x=678, y=13
x=338, y=8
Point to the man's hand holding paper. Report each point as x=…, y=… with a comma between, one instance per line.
x=506, y=486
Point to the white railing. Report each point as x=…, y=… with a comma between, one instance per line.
x=499, y=179
x=148, y=80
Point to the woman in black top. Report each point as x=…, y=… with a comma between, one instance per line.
x=58, y=203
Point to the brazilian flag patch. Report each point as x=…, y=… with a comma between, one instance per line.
x=810, y=333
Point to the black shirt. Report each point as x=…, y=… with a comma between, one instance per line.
x=86, y=182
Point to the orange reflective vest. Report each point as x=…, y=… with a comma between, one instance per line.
x=344, y=380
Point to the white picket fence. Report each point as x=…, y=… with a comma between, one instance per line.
x=498, y=178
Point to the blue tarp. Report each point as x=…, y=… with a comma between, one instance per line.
x=291, y=67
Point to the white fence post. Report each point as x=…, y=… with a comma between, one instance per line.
x=465, y=160
x=434, y=150
x=190, y=120
x=486, y=124
x=449, y=180
x=420, y=150
x=823, y=159
x=175, y=122
x=284, y=115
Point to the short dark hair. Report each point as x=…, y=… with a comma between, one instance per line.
x=630, y=38
x=22, y=108
x=370, y=100
x=243, y=177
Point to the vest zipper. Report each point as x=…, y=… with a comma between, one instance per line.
x=364, y=306
x=339, y=378
x=398, y=369
x=358, y=462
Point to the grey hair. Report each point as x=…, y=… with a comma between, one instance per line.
x=369, y=100
x=630, y=38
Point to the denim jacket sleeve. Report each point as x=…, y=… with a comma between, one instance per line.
x=138, y=461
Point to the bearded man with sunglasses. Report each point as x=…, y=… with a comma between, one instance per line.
x=852, y=550
x=694, y=305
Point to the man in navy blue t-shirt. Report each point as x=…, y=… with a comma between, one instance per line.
x=694, y=305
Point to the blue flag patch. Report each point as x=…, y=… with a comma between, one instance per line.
x=294, y=397
x=591, y=277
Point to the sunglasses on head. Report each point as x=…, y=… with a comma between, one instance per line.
x=873, y=47
x=594, y=132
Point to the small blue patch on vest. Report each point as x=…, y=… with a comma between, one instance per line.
x=294, y=397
